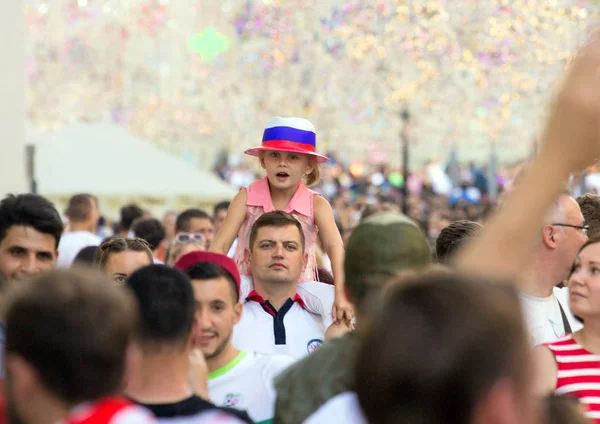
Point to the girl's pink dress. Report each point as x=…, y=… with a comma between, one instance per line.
x=300, y=206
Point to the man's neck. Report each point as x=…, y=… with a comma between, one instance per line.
x=539, y=279
x=160, y=378
x=276, y=293
x=81, y=226
x=222, y=360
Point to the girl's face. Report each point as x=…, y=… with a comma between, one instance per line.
x=285, y=169
x=584, y=283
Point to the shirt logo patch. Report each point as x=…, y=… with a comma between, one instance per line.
x=313, y=345
x=232, y=400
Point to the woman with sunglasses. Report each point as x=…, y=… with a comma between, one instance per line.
x=182, y=244
x=571, y=365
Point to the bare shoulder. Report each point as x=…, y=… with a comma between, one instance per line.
x=320, y=203
x=545, y=369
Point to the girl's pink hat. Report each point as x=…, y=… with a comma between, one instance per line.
x=289, y=135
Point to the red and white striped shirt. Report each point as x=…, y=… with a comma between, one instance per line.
x=578, y=374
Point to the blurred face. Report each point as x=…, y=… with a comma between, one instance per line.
x=203, y=226
x=277, y=255
x=285, y=169
x=121, y=265
x=584, y=283
x=219, y=219
x=25, y=252
x=184, y=250
x=169, y=223
x=216, y=314
x=95, y=213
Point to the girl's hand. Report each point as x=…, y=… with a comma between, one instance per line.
x=343, y=310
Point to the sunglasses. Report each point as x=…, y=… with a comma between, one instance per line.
x=187, y=238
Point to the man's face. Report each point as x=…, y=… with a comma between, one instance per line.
x=203, y=226
x=219, y=219
x=95, y=212
x=25, y=251
x=277, y=255
x=169, y=223
x=216, y=314
x=569, y=240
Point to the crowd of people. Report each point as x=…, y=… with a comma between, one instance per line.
x=272, y=309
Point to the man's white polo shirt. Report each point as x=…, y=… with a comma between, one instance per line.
x=292, y=330
x=247, y=383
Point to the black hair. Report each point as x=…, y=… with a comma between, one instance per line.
x=221, y=206
x=151, y=230
x=207, y=271
x=182, y=224
x=30, y=210
x=86, y=256
x=166, y=303
x=129, y=214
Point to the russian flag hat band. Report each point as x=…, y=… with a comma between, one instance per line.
x=289, y=135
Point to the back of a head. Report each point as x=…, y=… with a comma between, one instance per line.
x=166, y=302
x=151, y=230
x=380, y=247
x=129, y=214
x=439, y=343
x=73, y=327
x=563, y=410
x=79, y=208
x=30, y=210
x=590, y=208
x=86, y=256
x=453, y=237
x=182, y=224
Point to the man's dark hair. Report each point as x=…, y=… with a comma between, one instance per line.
x=221, y=206
x=167, y=306
x=129, y=214
x=182, y=224
x=30, y=210
x=74, y=328
x=453, y=237
x=208, y=271
x=276, y=219
x=86, y=256
x=590, y=208
x=464, y=336
x=80, y=207
x=151, y=230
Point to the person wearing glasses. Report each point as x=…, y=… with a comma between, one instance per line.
x=182, y=244
x=545, y=306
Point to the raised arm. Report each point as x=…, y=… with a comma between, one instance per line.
x=570, y=142
x=236, y=214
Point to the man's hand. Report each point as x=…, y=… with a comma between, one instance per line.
x=199, y=374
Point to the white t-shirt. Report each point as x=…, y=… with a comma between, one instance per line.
x=70, y=245
x=544, y=319
x=247, y=383
x=343, y=408
x=207, y=417
x=296, y=330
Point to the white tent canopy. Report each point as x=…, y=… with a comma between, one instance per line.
x=107, y=160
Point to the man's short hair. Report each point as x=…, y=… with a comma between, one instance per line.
x=464, y=337
x=208, y=271
x=73, y=327
x=276, y=219
x=379, y=248
x=221, y=206
x=183, y=222
x=149, y=229
x=167, y=306
x=453, y=237
x=129, y=214
x=590, y=208
x=79, y=207
x=30, y=210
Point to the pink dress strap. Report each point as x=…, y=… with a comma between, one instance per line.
x=301, y=207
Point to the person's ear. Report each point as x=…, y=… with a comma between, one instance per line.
x=237, y=312
x=549, y=234
x=23, y=376
x=248, y=256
